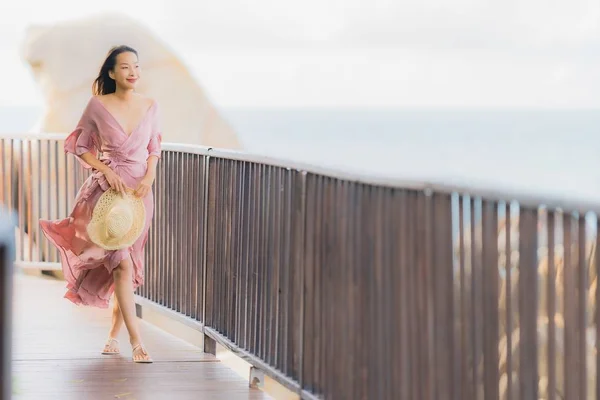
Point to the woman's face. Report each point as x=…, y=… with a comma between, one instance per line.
x=127, y=70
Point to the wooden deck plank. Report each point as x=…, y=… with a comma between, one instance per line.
x=56, y=354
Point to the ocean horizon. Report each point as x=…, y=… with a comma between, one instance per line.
x=552, y=152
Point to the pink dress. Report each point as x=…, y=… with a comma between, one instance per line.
x=87, y=267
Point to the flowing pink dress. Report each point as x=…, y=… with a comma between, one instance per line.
x=87, y=267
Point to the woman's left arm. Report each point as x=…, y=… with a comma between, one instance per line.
x=154, y=153
x=151, y=171
x=145, y=184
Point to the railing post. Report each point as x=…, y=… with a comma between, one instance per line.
x=301, y=265
x=209, y=343
x=7, y=256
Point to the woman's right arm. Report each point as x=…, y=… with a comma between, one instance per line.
x=112, y=178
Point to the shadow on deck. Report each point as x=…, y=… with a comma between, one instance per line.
x=56, y=355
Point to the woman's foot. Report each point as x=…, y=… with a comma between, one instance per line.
x=111, y=346
x=140, y=355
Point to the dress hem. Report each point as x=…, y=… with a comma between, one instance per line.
x=73, y=293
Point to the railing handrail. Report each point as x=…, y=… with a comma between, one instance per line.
x=528, y=198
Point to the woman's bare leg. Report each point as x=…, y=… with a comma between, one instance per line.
x=112, y=346
x=123, y=277
x=117, y=320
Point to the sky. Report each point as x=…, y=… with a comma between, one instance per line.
x=354, y=53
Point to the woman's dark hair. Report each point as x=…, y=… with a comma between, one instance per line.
x=104, y=84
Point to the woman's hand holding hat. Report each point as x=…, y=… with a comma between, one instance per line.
x=144, y=187
x=115, y=181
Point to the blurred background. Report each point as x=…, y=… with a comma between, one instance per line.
x=483, y=96
x=501, y=93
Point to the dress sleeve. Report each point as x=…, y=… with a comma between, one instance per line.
x=154, y=145
x=84, y=138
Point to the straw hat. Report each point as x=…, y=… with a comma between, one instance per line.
x=117, y=220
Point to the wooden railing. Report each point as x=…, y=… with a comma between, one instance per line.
x=343, y=286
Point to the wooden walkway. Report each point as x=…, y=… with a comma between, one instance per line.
x=56, y=355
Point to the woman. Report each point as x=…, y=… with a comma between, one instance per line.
x=124, y=126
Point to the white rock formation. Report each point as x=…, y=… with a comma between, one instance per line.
x=65, y=58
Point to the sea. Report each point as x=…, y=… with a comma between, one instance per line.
x=537, y=152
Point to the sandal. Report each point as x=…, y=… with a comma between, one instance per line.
x=139, y=349
x=109, y=345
